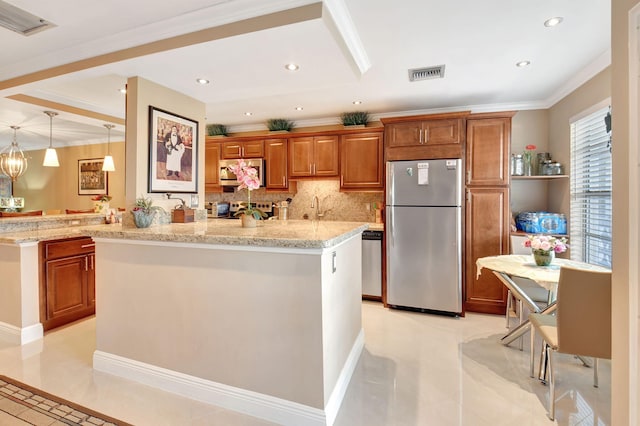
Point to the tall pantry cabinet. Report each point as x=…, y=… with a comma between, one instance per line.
x=487, y=207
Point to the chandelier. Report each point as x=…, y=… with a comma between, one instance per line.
x=13, y=163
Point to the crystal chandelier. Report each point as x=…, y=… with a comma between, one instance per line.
x=13, y=163
x=51, y=156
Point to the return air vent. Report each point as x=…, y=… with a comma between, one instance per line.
x=21, y=21
x=419, y=74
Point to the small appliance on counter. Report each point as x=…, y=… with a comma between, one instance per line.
x=218, y=210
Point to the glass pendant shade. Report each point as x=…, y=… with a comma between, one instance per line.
x=13, y=162
x=108, y=165
x=51, y=156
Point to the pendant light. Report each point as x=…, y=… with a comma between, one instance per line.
x=13, y=163
x=108, y=165
x=51, y=156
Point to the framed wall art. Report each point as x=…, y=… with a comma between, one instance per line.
x=91, y=179
x=173, y=152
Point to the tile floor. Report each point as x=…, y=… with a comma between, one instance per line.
x=416, y=369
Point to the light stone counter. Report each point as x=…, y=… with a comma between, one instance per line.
x=271, y=233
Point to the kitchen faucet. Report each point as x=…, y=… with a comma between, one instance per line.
x=315, y=203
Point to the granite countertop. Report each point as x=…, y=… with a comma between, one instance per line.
x=272, y=233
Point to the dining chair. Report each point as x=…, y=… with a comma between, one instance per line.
x=537, y=297
x=581, y=324
x=73, y=211
x=21, y=214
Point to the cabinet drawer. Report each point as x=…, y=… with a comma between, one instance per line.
x=68, y=247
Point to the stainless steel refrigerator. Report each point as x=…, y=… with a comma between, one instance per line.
x=424, y=226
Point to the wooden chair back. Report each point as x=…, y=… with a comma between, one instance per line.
x=21, y=214
x=72, y=211
x=584, y=313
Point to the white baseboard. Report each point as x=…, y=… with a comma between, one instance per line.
x=20, y=336
x=255, y=404
x=337, y=395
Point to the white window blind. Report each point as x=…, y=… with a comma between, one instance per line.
x=591, y=179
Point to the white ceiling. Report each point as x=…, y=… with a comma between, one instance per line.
x=478, y=41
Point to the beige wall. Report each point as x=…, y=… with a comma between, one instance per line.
x=141, y=94
x=530, y=128
x=624, y=390
x=57, y=187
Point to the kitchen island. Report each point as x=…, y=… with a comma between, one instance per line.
x=266, y=321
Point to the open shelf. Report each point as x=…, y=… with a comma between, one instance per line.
x=538, y=177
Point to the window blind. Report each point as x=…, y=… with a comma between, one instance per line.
x=591, y=181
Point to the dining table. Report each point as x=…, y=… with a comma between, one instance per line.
x=508, y=266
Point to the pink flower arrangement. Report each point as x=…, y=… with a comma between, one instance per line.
x=546, y=243
x=247, y=178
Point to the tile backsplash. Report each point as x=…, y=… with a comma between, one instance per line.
x=335, y=205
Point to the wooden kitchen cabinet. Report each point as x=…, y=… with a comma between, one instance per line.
x=243, y=149
x=427, y=132
x=487, y=234
x=212, y=167
x=313, y=156
x=488, y=145
x=425, y=136
x=487, y=214
x=275, y=152
x=67, y=280
x=361, y=161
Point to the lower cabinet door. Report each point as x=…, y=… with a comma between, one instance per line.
x=67, y=292
x=487, y=234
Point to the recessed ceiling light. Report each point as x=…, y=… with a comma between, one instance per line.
x=202, y=81
x=523, y=64
x=357, y=102
x=292, y=67
x=248, y=113
x=123, y=91
x=552, y=22
x=299, y=108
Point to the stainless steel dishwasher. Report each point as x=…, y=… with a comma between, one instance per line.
x=372, y=264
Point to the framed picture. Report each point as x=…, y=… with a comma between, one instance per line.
x=5, y=186
x=91, y=179
x=173, y=152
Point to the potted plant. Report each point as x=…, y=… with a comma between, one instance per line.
x=101, y=203
x=355, y=118
x=217, y=130
x=544, y=247
x=279, y=125
x=247, y=178
x=144, y=211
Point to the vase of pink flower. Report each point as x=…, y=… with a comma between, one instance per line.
x=544, y=248
x=247, y=178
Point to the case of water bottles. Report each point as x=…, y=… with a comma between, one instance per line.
x=541, y=223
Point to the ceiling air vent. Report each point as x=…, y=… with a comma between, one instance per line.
x=418, y=74
x=21, y=21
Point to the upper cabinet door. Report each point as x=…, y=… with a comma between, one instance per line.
x=361, y=161
x=404, y=134
x=325, y=156
x=242, y=149
x=488, y=142
x=275, y=155
x=211, y=165
x=313, y=156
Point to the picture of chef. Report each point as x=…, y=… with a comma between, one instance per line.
x=175, y=149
